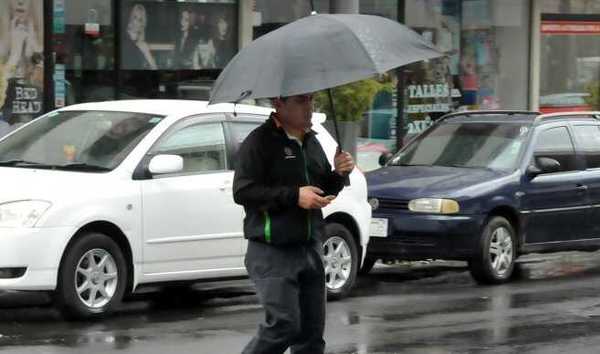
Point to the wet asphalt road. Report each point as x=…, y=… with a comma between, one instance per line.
x=433, y=309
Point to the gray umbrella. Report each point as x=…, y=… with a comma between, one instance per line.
x=319, y=52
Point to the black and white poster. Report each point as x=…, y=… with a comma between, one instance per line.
x=178, y=36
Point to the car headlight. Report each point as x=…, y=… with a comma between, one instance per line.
x=24, y=213
x=434, y=205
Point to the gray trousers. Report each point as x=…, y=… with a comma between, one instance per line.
x=290, y=284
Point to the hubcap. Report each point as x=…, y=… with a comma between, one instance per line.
x=96, y=278
x=338, y=262
x=501, y=251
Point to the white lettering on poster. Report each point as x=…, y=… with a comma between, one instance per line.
x=26, y=101
x=417, y=126
x=428, y=108
x=428, y=91
x=23, y=107
x=26, y=93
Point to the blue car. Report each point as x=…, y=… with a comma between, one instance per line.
x=488, y=186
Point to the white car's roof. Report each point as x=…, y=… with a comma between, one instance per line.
x=177, y=108
x=166, y=107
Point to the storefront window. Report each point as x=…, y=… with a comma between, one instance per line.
x=176, y=63
x=483, y=68
x=272, y=14
x=377, y=132
x=570, y=56
x=84, y=45
x=21, y=62
x=486, y=43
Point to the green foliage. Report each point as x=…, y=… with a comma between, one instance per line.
x=351, y=100
x=594, y=98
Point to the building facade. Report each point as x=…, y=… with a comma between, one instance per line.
x=501, y=54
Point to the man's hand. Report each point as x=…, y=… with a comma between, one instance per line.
x=343, y=163
x=310, y=197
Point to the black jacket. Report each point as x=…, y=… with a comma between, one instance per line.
x=270, y=170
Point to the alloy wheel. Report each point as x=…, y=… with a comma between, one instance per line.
x=337, y=262
x=501, y=251
x=96, y=278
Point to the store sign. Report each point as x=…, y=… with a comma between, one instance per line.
x=59, y=16
x=425, y=99
x=59, y=86
x=571, y=27
x=92, y=27
x=428, y=91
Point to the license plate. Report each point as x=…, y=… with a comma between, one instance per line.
x=379, y=227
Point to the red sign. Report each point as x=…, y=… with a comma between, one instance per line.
x=571, y=27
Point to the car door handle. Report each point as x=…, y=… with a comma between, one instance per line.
x=581, y=187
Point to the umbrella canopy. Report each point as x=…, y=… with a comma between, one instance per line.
x=319, y=52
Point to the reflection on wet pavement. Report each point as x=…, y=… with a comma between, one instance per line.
x=435, y=308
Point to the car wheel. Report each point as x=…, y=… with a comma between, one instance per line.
x=496, y=259
x=340, y=260
x=92, y=277
x=367, y=266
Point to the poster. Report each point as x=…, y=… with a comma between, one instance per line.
x=205, y=35
x=21, y=62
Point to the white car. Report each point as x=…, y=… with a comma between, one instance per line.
x=99, y=198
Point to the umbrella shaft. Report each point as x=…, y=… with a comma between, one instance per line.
x=333, y=116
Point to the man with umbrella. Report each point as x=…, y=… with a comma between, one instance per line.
x=282, y=176
x=283, y=179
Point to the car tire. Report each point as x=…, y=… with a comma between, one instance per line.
x=340, y=260
x=92, y=277
x=496, y=259
x=367, y=266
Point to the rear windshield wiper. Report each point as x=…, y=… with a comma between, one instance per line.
x=82, y=166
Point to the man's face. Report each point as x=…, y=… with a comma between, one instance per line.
x=295, y=111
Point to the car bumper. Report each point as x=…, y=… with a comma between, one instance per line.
x=421, y=236
x=35, y=253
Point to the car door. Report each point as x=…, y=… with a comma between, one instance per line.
x=237, y=131
x=192, y=227
x=588, y=140
x=556, y=204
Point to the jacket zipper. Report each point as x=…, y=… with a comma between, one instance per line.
x=308, y=223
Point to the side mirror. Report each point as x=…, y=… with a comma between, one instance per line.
x=384, y=158
x=543, y=165
x=162, y=164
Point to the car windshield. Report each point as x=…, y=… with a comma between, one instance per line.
x=90, y=141
x=495, y=146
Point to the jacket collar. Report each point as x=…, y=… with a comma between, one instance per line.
x=279, y=131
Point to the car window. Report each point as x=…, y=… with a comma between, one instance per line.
x=556, y=143
x=495, y=146
x=239, y=132
x=588, y=136
x=79, y=139
x=202, y=147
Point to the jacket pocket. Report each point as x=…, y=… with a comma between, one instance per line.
x=289, y=226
